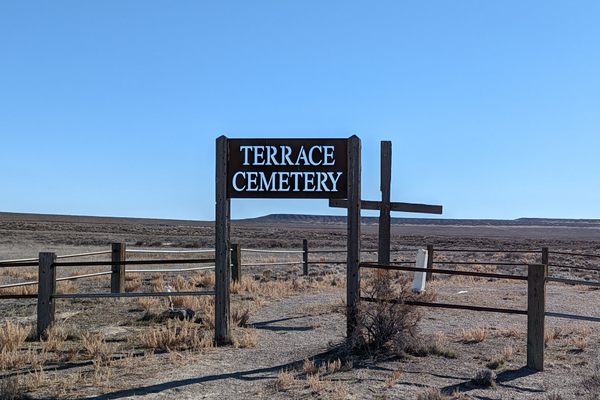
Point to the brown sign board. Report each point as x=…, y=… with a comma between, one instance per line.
x=287, y=168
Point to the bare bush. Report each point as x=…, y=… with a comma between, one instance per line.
x=386, y=322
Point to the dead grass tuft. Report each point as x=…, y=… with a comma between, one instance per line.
x=13, y=336
x=176, y=335
x=474, y=335
x=392, y=379
x=55, y=337
x=96, y=347
x=243, y=338
x=285, y=380
x=65, y=287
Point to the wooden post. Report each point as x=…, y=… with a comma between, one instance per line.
x=383, y=253
x=536, y=312
x=305, y=257
x=117, y=276
x=545, y=256
x=46, y=289
x=236, y=262
x=222, y=228
x=429, y=275
x=353, y=258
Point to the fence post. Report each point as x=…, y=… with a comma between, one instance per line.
x=305, y=257
x=46, y=289
x=236, y=262
x=117, y=277
x=429, y=275
x=536, y=312
x=545, y=256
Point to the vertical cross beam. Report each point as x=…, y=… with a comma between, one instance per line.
x=383, y=254
x=353, y=260
x=222, y=254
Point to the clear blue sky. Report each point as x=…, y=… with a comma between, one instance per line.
x=112, y=107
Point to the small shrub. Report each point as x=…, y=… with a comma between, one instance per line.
x=485, y=378
x=387, y=322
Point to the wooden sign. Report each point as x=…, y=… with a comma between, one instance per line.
x=287, y=168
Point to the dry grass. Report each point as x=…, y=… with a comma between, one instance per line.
x=551, y=335
x=309, y=367
x=436, y=394
x=580, y=343
x=474, y=335
x=285, y=380
x=13, y=336
x=96, y=347
x=392, y=379
x=243, y=338
x=133, y=285
x=176, y=335
x=55, y=337
x=65, y=287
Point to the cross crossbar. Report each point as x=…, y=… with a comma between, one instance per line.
x=394, y=206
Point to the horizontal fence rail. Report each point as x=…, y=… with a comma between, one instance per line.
x=447, y=250
x=568, y=253
x=131, y=262
x=272, y=251
x=513, y=264
x=129, y=294
x=163, y=251
x=449, y=306
x=444, y=271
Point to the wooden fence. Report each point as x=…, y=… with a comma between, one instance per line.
x=537, y=275
x=536, y=303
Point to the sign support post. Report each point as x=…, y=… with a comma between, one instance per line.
x=222, y=254
x=353, y=221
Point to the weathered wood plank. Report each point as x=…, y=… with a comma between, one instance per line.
x=383, y=253
x=429, y=262
x=117, y=277
x=222, y=228
x=46, y=289
x=394, y=206
x=305, y=257
x=536, y=311
x=353, y=221
x=236, y=262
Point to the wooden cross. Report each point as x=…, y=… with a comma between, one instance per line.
x=385, y=206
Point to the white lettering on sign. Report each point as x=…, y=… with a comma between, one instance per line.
x=271, y=155
x=286, y=181
x=288, y=168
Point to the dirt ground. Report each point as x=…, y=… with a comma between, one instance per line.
x=297, y=324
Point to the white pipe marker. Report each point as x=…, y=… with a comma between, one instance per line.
x=419, y=277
